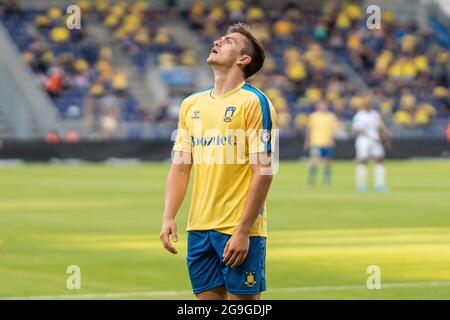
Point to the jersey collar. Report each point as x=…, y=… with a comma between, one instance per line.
x=212, y=95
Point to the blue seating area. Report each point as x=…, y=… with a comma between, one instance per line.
x=16, y=26
x=440, y=32
x=36, y=43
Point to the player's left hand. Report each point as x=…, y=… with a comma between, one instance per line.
x=388, y=144
x=236, y=249
x=306, y=145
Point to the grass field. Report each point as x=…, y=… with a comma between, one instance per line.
x=106, y=219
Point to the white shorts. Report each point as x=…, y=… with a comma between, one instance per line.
x=367, y=149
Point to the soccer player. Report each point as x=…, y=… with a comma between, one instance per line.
x=227, y=216
x=319, y=140
x=371, y=137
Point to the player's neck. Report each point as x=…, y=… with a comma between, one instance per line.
x=226, y=80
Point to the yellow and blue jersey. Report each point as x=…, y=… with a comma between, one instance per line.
x=220, y=133
x=322, y=127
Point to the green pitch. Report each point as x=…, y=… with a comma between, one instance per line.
x=106, y=220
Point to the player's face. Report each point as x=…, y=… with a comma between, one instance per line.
x=367, y=103
x=321, y=106
x=227, y=50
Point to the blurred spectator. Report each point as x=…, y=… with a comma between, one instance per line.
x=448, y=132
x=54, y=83
x=60, y=34
x=120, y=81
x=72, y=136
x=109, y=125
x=92, y=108
x=80, y=78
x=52, y=137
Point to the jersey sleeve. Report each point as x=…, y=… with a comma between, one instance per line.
x=379, y=120
x=357, y=124
x=261, y=124
x=182, y=140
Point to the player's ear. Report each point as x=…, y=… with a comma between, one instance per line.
x=244, y=59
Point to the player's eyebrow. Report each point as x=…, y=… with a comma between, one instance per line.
x=229, y=38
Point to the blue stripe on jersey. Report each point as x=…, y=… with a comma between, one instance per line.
x=265, y=109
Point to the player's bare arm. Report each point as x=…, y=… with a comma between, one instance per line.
x=306, y=142
x=385, y=136
x=358, y=132
x=236, y=248
x=177, y=184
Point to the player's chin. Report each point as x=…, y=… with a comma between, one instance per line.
x=212, y=59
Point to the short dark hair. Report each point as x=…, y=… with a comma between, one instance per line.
x=253, y=48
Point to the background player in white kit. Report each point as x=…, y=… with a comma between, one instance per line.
x=371, y=138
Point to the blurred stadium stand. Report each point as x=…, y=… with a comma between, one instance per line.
x=123, y=75
x=26, y=111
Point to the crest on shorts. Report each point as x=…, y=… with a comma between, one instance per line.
x=229, y=112
x=250, y=281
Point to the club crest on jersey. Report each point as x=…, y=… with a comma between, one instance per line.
x=229, y=112
x=195, y=114
x=250, y=281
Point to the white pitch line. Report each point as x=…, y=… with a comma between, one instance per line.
x=398, y=285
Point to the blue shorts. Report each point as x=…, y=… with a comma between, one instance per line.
x=322, y=152
x=207, y=270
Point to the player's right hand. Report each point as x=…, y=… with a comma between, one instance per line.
x=387, y=144
x=306, y=145
x=169, y=227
